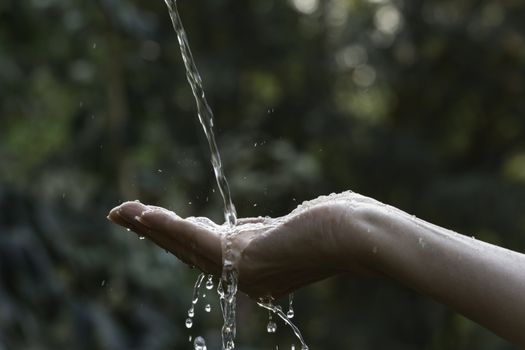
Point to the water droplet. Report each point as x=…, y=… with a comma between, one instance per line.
x=271, y=327
x=189, y=203
x=207, y=308
x=199, y=343
x=189, y=322
x=290, y=313
x=159, y=170
x=254, y=204
x=293, y=347
x=128, y=229
x=196, y=288
x=94, y=45
x=191, y=312
x=103, y=283
x=209, y=282
x=142, y=238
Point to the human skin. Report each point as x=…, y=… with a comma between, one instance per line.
x=353, y=234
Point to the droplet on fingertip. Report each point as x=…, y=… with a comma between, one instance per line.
x=271, y=327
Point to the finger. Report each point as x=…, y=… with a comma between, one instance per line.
x=131, y=215
x=124, y=215
x=199, y=236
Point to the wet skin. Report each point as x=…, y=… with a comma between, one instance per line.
x=352, y=234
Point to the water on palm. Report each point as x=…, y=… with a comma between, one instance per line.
x=227, y=287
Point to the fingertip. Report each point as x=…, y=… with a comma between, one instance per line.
x=113, y=213
x=129, y=210
x=116, y=218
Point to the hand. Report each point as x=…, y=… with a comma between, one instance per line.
x=349, y=233
x=274, y=256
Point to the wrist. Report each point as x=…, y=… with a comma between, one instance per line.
x=359, y=227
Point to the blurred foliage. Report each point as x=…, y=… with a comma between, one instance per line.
x=416, y=103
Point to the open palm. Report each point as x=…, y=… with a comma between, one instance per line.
x=273, y=256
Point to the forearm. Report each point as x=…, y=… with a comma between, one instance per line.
x=484, y=282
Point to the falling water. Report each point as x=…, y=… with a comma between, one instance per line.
x=291, y=312
x=199, y=343
x=194, y=300
x=227, y=287
x=203, y=110
x=276, y=309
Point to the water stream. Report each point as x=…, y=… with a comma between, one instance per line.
x=203, y=110
x=227, y=286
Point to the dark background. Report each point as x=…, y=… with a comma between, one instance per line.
x=419, y=104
